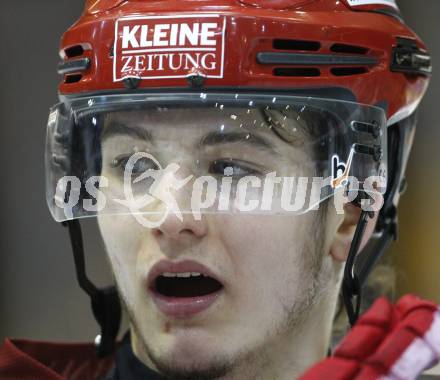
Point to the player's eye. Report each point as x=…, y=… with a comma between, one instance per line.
x=140, y=166
x=232, y=168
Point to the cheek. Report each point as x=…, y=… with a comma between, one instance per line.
x=268, y=254
x=123, y=238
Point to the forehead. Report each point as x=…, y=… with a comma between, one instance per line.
x=169, y=122
x=202, y=118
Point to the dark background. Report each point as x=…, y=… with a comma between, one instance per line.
x=39, y=297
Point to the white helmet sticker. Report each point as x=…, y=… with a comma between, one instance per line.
x=162, y=47
x=354, y=3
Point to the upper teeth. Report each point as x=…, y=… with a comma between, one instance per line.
x=184, y=274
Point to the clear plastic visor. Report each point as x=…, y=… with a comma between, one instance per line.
x=155, y=154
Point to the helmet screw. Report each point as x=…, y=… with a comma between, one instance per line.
x=131, y=83
x=196, y=81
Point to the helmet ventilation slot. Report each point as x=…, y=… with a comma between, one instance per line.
x=72, y=78
x=349, y=49
x=296, y=72
x=345, y=71
x=280, y=44
x=301, y=58
x=74, y=51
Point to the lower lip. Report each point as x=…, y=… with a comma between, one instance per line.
x=184, y=307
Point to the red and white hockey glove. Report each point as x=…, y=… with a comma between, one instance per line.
x=389, y=342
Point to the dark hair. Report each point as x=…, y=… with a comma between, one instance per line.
x=318, y=128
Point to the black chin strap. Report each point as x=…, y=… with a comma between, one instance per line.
x=105, y=301
x=355, y=278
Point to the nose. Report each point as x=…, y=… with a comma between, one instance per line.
x=176, y=233
x=182, y=231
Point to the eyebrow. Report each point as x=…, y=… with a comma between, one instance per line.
x=215, y=138
x=210, y=139
x=117, y=128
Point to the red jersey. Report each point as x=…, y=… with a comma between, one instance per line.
x=30, y=360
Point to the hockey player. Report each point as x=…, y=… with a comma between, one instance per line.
x=237, y=156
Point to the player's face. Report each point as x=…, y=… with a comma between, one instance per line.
x=260, y=274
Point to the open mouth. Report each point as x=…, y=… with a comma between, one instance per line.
x=183, y=289
x=189, y=284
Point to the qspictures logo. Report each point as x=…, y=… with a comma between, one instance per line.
x=150, y=196
x=160, y=47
